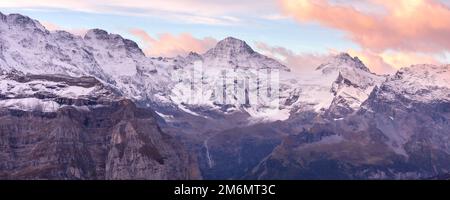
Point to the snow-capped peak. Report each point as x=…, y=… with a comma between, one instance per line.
x=422, y=83
x=230, y=46
x=343, y=60
x=338, y=86
x=232, y=53
x=428, y=75
x=230, y=76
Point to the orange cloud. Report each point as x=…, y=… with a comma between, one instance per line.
x=373, y=61
x=406, y=59
x=167, y=44
x=404, y=25
x=388, y=62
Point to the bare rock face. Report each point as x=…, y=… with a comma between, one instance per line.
x=117, y=141
x=93, y=136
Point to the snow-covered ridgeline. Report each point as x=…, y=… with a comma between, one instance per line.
x=198, y=80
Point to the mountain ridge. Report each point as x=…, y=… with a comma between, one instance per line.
x=364, y=125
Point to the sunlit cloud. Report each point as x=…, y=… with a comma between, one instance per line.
x=388, y=34
x=390, y=61
x=405, y=25
x=373, y=61
x=170, y=45
x=406, y=59
x=391, y=34
x=384, y=63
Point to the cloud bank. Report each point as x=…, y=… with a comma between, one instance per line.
x=170, y=45
x=390, y=33
x=407, y=25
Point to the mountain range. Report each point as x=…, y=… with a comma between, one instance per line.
x=96, y=107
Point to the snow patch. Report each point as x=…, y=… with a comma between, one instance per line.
x=30, y=104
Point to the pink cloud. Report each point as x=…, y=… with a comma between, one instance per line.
x=403, y=25
x=374, y=61
x=390, y=61
x=406, y=59
x=54, y=27
x=167, y=44
x=297, y=62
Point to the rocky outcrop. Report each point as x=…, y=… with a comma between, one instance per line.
x=116, y=141
x=60, y=127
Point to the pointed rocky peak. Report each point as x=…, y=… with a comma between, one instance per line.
x=343, y=60
x=192, y=56
x=230, y=46
x=344, y=56
x=234, y=53
x=346, y=59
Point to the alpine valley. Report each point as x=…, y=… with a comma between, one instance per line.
x=95, y=107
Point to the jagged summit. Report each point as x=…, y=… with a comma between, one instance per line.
x=113, y=40
x=343, y=60
x=231, y=46
x=422, y=83
x=425, y=75
x=100, y=34
x=346, y=58
x=192, y=56
x=234, y=53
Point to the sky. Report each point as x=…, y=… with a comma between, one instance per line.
x=386, y=35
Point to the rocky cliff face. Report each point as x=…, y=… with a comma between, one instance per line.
x=48, y=132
